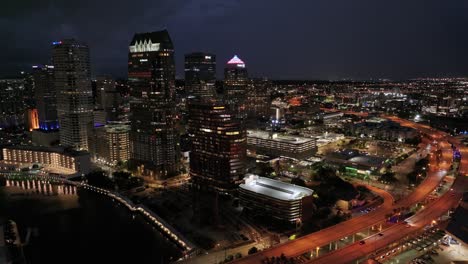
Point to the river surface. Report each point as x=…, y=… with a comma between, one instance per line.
x=79, y=226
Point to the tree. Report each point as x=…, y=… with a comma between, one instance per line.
x=122, y=179
x=252, y=250
x=99, y=179
x=298, y=181
x=264, y=169
x=238, y=255
x=388, y=177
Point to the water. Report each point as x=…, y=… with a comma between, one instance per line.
x=82, y=227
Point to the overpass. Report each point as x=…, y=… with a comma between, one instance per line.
x=426, y=217
x=324, y=237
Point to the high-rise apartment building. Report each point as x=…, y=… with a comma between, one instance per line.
x=217, y=158
x=72, y=75
x=235, y=86
x=200, y=75
x=151, y=76
x=45, y=96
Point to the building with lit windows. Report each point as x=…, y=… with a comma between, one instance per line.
x=236, y=81
x=217, y=158
x=72, y=74
x=113, y=142
x=275, y=145
x=275, y=199
x=107, y=100
x=58, y=160
x=45, y=96
x=200, y=75
x=154, y=138
x=12, y=102
x=258, y=102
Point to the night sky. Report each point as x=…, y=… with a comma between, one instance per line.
x=310, y=39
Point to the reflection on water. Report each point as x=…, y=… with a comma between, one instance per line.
x=42, y=187
x=76, y=226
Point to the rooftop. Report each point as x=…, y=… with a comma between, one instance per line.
x=277, y=137
x=61, y=150
x=275, y=189
x=235, y=60
x=151, y=41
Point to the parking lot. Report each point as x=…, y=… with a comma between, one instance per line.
x=428, y=247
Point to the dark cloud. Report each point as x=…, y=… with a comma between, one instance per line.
x=300, y=39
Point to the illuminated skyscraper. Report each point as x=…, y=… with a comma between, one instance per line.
x=235, y=86
x=217, y=158
x=45, y=96
x=258, y=98
x=200, y=75
x=72, y=75
x=151, y=75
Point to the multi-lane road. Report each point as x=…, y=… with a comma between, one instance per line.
x=432, y=212
x=436, y=171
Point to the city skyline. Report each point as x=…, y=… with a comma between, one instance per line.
x=331, y=41
x=256, y=132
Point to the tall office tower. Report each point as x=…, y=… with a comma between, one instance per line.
x=12, y=104
x=151, y=75
x=235, y=86
x=258, y=98
x=45, y=97
x=74, y=95
x=107, y=98
x=200, y=75
x=217, y=158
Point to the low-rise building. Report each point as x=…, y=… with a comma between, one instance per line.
x=60, y=160
x=275, y=145
x=282, y=201
x=380, y=128
x=355, y=162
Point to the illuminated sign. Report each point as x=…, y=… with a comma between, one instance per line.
x=144, y=46
x=207, y=57
x=141, y=60
x=56, y=42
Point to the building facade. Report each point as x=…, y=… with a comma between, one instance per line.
x=275, y=145
x=72, y=74
x=12, y=102
x=113, y=142
x=200, y=75
x=236, y=81
x=217, y=158
x=279, y=200
x=67, y=162
x=45, y=96
x=107, y=98
x=258, y=99
x=151, y=75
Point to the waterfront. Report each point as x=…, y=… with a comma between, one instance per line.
x=81, y=228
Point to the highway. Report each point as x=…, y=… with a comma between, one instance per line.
x=436, y=172
x=425, y=217
x=390, y=235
